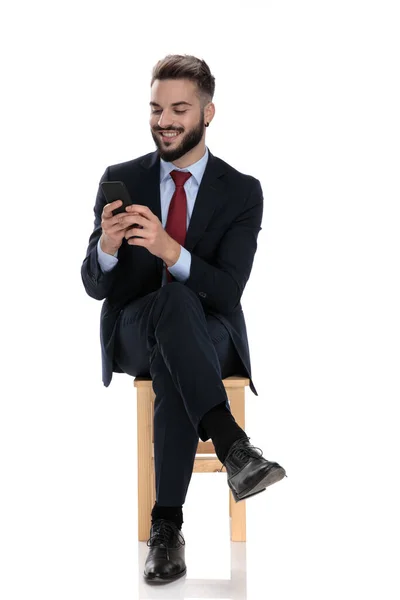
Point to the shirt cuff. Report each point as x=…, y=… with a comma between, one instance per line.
x=106, y=261
x=181, y=269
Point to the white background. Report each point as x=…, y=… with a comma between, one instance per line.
x=307, y=100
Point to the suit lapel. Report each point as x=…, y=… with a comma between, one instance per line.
x=211, y=193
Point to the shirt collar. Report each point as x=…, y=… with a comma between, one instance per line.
x=196, y=169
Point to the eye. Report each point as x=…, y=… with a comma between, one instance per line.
x=178, y=112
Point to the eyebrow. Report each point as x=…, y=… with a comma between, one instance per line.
x=173, y=104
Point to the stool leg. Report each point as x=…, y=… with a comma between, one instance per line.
x=237, y=509
x=144, y=466
x=152, y=465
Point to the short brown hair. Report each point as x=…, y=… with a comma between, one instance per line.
x=178, y=66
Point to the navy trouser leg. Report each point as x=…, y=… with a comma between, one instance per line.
x=168, y=336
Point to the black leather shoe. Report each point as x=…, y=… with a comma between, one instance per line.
x=248, y=472
x=166, y=558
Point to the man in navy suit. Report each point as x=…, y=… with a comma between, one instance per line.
x=172, y=296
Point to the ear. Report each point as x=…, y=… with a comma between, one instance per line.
x=209, y=112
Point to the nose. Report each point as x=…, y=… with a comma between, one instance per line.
x=163, y=121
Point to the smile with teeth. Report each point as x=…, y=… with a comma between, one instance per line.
x=170, y=135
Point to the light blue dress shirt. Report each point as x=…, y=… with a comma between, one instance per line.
x=181, y=269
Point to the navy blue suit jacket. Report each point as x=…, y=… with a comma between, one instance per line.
x=222, y=238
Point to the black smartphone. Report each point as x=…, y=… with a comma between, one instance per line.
x=116, y=190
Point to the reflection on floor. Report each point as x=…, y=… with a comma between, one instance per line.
x=233, y=588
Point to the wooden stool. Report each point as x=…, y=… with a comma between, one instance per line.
x=234, y=386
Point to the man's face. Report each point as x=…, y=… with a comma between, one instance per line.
x=186, y=119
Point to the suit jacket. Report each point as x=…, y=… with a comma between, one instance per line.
x=222, y=238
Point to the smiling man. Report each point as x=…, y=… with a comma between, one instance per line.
x=172, y=295
x=183, y=144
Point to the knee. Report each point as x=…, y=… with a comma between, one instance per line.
x=178, y=294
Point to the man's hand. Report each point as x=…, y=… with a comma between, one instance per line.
x=152, y=234
x=113, y=228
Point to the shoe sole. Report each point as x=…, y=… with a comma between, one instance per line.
x=271, y=477
x=157, y=579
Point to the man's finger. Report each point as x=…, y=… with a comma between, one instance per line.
x=141, y=209
x=108, y=208
x=131, y=219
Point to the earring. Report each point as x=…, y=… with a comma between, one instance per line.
x=207, y=124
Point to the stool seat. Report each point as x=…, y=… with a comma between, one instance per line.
x=205, y=461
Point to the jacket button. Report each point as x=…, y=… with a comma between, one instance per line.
x=202, y=294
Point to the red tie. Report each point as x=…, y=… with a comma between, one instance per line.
x=176, y=221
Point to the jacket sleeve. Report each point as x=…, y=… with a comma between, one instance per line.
x=96, y=282
x=220, y=283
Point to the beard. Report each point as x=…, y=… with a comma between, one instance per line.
x=170, y=151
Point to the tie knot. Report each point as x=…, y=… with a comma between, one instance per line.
x=180, y=177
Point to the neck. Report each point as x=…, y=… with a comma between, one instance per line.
x=191, y=157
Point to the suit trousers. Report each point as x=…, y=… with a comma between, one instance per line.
x=167, y=335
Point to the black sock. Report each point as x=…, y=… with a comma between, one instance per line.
x=222, y=428
x=172, y=513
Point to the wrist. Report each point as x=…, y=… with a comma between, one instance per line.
x=107, y=247
x=173, y=254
